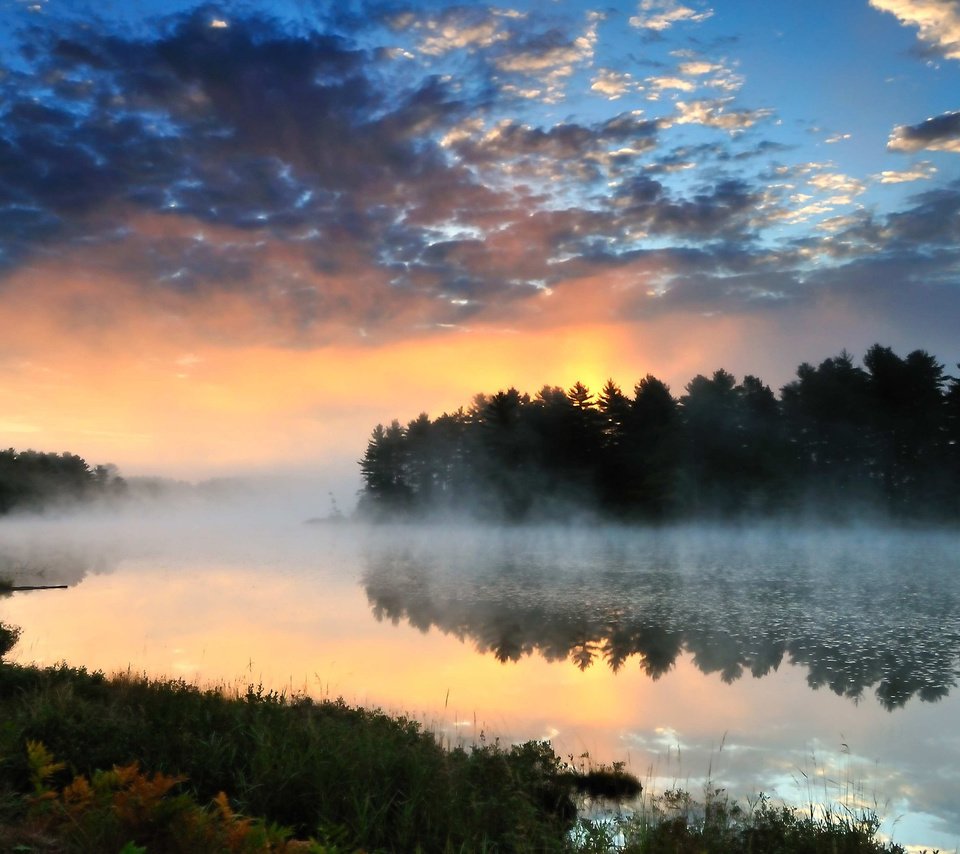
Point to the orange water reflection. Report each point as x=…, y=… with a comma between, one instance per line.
x=289, y=614
x=230, y=625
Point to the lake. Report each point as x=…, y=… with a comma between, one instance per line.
x=811, y=664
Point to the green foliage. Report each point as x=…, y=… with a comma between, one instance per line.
x=325, y=778
x=351, y=778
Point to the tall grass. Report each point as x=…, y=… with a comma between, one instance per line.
x=127, y=764
x=360, y=777
x=839, y=818
x=674, y=822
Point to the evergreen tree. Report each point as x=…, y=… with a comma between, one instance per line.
x=383, y=471
x=840, y=439
x=32, y=480
x=828, y=419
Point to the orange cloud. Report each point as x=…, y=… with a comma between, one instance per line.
x=194, y=384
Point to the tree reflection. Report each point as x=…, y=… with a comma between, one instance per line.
x=851, y=630
x=29, y=564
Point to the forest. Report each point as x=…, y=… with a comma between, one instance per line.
x=840, y=441
x=33, y=480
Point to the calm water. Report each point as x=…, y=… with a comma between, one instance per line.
x=809, y=665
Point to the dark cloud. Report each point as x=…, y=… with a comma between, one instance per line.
x=587, y=153
x=328, y=177
x=918, y=290
x=292, y=139
x=245, y=126
x=901, y=266
x=941, y=133
x=763, y=148
x=933, y=221
x=707, y=292
x=722, y=210
x=929, y=227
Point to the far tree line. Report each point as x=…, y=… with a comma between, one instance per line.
x=839, y=440
x=32, y=480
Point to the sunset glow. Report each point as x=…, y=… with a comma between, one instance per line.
x=237, y=241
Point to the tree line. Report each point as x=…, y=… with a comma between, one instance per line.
x=842, y=439
x=32, y=480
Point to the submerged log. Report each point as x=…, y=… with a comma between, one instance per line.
x=14, y=589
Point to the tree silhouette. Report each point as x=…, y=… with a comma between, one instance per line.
x=383, y=469
x=841, y=440
x=712, y=449
x=33, y=480
x=614, y=475
x=827, y=411
x=907, y=423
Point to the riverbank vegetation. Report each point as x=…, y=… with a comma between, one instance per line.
x=841, y=441
x=91, y=764
x=35, y=480
x=350, y=778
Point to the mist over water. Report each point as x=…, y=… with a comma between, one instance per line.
x=640, y=644
x=859, y=609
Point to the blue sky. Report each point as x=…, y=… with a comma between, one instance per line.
x=752, y=183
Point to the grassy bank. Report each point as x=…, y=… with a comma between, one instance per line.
x=357, y=778
x=92, y=764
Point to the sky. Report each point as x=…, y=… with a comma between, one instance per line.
x=234, y=238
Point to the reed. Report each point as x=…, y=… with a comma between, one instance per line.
x=129, y=764
x=357, y=778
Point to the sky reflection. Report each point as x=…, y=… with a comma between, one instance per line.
x=292, y=607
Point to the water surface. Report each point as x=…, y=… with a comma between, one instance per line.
x=808, y=664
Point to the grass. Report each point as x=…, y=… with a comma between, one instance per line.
x=125, y=764
x=8, y=637
x=361, y=778
x=676, y=823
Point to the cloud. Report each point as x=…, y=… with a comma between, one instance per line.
x=763, y=148
x=739, y=293
x=612, y=84
x=558, y=154
x=937, y=20
x=273, y=146
x=699, y=68
x=538, y=65
x=808, y=192
x=714, y=75
x=260, y=184
x=839, y=189
x=932, y=221
x=895, y=272
x=722, y=210
x=521, y=55
x=921, y=172
x=941, y=133
x=658, y=85
x=926, y=232
x=659, y=15
x=550, y=54
x=717, y=113
x=458, y=28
